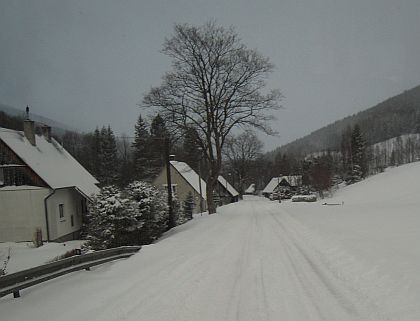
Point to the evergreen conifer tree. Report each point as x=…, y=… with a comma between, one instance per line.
x=158, y=134
x=358, y=167
x=152, y=207
x=96, y=150
x=114, y=220
x=126, y=169
x=177, y=212
x=191, y=151
x=188, y=206
x=346, y=151
x=108, y=157
x=141, y=155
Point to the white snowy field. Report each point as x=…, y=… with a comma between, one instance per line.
x=260, y=260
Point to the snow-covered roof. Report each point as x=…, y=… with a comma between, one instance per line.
x=232, y=191
x=292, y=180
x=271, y=185
x=295, y=180
x=250, y=189
x=50, y=161
x=190, y=176
x=21, y=188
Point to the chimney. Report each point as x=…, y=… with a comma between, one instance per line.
x=29, y=128
x=29, y=131
x=46, y=132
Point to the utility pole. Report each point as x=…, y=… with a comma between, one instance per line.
x=199, y=184
x=227, y=192
x=171, y=221
x=278, y=186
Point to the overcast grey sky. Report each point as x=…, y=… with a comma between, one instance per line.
x=89, y=62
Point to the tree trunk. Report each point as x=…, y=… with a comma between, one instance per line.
x=211, y=184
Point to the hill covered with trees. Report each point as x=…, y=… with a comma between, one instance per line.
x=396, y=116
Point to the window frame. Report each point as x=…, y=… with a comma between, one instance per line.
x=61, y=215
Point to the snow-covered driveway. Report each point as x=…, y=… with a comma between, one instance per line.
x=253, y=261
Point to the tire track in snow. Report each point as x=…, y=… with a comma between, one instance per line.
x=325, y=292
x=252, y=261
x=234, y=303
x=261, y=291
x=300, y=301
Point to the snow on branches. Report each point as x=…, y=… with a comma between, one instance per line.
x=135, y=215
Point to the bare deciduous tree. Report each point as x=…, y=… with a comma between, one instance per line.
x=216, y=83
x=241, y=153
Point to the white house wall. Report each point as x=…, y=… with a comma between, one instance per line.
x=62, y=227
x=21, y=213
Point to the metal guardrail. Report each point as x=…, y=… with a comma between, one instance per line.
x=13, y=283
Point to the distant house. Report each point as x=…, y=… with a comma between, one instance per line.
x=184, y=180
x=250, y=190
x=41, y=187
x=226, y=192
x=282, y=184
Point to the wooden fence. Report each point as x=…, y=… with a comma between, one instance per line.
x=13, y=283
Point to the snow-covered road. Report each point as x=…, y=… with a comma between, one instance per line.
x=253, y=261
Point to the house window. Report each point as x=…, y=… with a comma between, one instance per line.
x=61, y=210
x=173, y=187
x=72, y=220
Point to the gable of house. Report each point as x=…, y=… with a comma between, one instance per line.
x=190, y=177
x=48, y=162
x=250, y=189
x=227, y=187
x=291, y=181
x=272, y=184
x=184, y=180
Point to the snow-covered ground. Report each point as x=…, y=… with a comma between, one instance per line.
x=378, y=227
x=24, y=255
x=260, y=260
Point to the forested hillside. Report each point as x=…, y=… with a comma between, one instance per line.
x=11, y=117
x=393, y=117
x=12, y=122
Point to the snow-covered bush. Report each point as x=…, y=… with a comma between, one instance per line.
x=355, y=175
x=114, y=220
x=176, y=209
x=3, y=267
x=188, y=207
x=152, y=207
x=304, y=198
x=70, y=253
x=135, y=215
